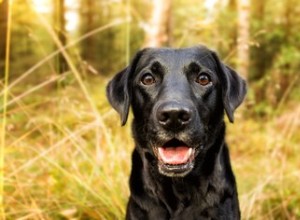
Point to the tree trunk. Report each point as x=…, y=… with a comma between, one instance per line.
x=3, y=33
x=243, y=37
x=87, y=25
x=60, y=24
x=157, y=33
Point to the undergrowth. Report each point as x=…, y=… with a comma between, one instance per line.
x=63, y=162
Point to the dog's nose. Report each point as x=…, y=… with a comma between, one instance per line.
x=173, y=115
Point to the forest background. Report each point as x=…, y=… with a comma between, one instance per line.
x=63, y=154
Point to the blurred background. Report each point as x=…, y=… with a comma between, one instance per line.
x=63, y=154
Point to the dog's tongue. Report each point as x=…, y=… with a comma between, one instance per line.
x=174, y=155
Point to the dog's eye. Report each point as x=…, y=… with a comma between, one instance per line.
x=147, y=79
x=203, y=79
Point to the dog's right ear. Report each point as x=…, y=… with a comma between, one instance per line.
x=234, y=87
x=118, y=90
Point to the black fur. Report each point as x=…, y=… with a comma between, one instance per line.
x=173, y=109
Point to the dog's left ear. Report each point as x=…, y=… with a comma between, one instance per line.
x=118, y=90
x=233, y=87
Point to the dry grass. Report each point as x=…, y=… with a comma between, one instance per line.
x=60, y=158
x=265, y=155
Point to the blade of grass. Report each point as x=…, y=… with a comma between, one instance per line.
x=71, y=64
x=3, y=127
x=286, y=93
x=81, y=182
x=35, y=88
x=51, y=148
x=100, y=130
x=128, y=27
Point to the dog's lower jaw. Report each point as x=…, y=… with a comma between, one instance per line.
x=180, y=170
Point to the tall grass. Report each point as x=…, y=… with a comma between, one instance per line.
x=55, y=165
x=266, y=161
x=43, y=122
x=66, y=157
x=3, y=127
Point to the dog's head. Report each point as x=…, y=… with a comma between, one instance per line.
x=178, y=98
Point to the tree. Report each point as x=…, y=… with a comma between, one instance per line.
x=88, y=24
x=60, y=27
x=157, y=33
x=243, y=37
x=3, y=31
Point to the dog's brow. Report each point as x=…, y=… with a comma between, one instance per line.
x=204, y=56
x=194, y=67
x=156, y=66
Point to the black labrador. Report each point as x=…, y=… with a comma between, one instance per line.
x=180, y=166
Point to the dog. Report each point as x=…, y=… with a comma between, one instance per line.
x=180, y=165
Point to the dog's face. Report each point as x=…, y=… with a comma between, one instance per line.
x=178, y=98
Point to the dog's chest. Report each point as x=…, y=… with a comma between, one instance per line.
x=180, y=199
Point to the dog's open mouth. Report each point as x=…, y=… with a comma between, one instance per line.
x=175, y=158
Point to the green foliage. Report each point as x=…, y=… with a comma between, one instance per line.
x=276, y=59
